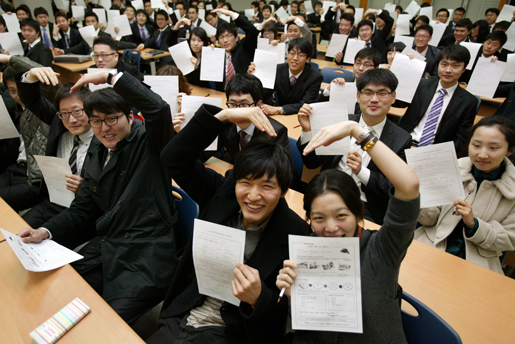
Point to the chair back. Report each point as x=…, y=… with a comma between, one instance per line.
x=330, y=73
x=132, y=55
x=295, y=156
x=188, y=211
x=427, y=327
x=478, y=104
x=314, y=64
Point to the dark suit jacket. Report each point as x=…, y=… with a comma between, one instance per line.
x=182, y=30
x=136, y=34
x=377, y=189
x=125, y=67
x=314, y=19
x=39, y=53
x=216, y=198
x=304, y=91
x=455, y=121
x=380, y=36
x=152, y=42
x=449, y=40
x=83, y=47
x=74, y=39
x=507, y=108
x=431, y=61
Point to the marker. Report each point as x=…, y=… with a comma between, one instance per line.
x=281, y=294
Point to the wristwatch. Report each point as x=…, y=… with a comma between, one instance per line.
x=281, y=110
x=110, y=76
x=363, y=135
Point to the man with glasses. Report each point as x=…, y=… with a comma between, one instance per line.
x=195, y=21
x=442, y=15
x=126, y=194
x=375, y=39
x=106, y=56
x=423, y=35
x=376, y=93
x=159, y=37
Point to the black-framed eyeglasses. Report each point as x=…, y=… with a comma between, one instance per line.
x=103, y=56
x=66, y=114
x=242, y=105
x=109, y=121
x=380, y=94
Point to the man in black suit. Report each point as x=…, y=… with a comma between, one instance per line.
x=249, y=198
x=375, y=39
x=106, y=56
x=423, y=35
x=441, y=110
x=46, y=28
x=151, y=13
x=296, y=82
x=126, y=192
x=346, y=27
x=376, y=93
x=35, y=49
x=67, y=37
x=507, y=108
x=313, y=19
x=213, y=19
x=158, y=39
x=460, y=34
x=194, y=19
x=142, y=29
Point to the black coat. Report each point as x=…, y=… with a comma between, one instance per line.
x=152, y=42
x=131, y=201
x=136, y=34
x=83, y=47
x=39, y=53
x=507, y=108
x=432, y=61
x=74, y=39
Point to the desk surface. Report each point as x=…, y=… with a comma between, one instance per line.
x=145, y=56
x=75, y=67
x=27, y=299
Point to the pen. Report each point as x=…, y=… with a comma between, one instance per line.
x=207, y=95
x=296, y=126
x=281, y=294
x=464, y=200
x=1, y=241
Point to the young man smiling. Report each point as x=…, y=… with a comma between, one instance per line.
x=35, y=49
x=461, y=33
x=423, y=35
x=106, y=56
x=67, y=36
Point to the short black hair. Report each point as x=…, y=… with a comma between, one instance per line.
x=142, y=11
x=371, y=17
x=377, y=77
x=106, y=101
x=262, y=155
x=163, y=13
x=180, y=3
x=2, y=22
x=454, y=52
x=32, y=23
x=396, y=46
x=424, y=19
x=502, y=25
x=365, y=22
x=318, y=3
x=194, y=7
x=371, y=54
x=443, y=10
x=40, y=10
x=243, y=83
x=466, y=23
x=425, y=4
x=200, y=33
x=61, y=14
x=226, y=27
x=209, y=13
x=64, y=92
x=267, y=7
x=25, y=9
x=497, y=36
x=399, y=7
x=302, y=45
x=284, y=3
x=107, y=41
x=254, y=3
x=352, y=8
x=494, y=10
x=460, y=9
x=347, y=16
x=8, y=75
x=91, y=14
x=428, y=28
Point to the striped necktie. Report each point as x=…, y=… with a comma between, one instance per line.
x=45, y=39
x=230, y=68
x=430, y=126
x=159, y=40
x=73, y=155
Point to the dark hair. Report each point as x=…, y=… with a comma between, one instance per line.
x=91, y=14
x=200, y=33
x=163, y=13
x=32, y=23
x=318, y=3
x=428, y=28
x=180, y=3
x=494, y=10
x=8, y=75
x=263, y=156
x=454, y=52
x=267, y=7
x=302, y=45
x=2, y=22
x=352, y=8
x=40, y=10
x=365, y=22
x=502, y=25
x=460, y=9
x=61, y=14
x=107, y=40
x=184, y=87
x=377, y=77
x=226, y=27
x=341, y=184
x=129, y=6
x=142, y=12
x=106, y=101
x=443, y=10
x=301, y=15
x=64, y=92
x=347, y=16
x=399, y=7
x=254, y=3
x=194, y=7
x=25, y=9
x=484, y=30
x=425, y=4
x=371, y=17
x=209, y=13
x=229, y=6
x=503, y=124
x=243, y=83
x=285, y=2
x=395, y=46
x=371, y=54
x=271, y=27
x=466, y=23
x=425, y=20
x=497, y=36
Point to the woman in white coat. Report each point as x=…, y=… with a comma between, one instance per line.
x=481, y=226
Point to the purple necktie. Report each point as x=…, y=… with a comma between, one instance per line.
x=430, y=127
x=143, y=37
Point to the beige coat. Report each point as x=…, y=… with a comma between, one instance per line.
x=494, y=208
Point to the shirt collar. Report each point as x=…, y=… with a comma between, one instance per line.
x=248, y=130
x=450, y=90
x=35, y=42
x=85, y=137
x=257, y=228
x=378, y=128
x=295, y=75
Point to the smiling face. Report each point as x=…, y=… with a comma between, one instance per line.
x=63, y=23
x=293, y=32
x=141, y=19
x=487, y=148
x=29, y=33
x=375, y=102
x=75, y=125
x=461, y=33
x=297, y=60
x=344, y=27
x=361, y=66
x=21, y=14
x=257, y=198
x=365, y=33
x=422, y=38
x=161, y=21
x=129, y=11
x=449, y=72
x=227, y=41
x=442, y=17
x=196, y=43
x=110, y=135
x=330, y=216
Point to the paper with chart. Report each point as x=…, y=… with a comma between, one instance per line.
x=486, y=77
x=190, y=105
x=210, y=30
x=216, y=251
x=336, y=45
x=7, y=128
x=44, y=256
x=344, y=95
x=279, y=49
x=438, y=172
x=438, y=31
x=509, y=71
x=325, y=114
x=326, y=295
x=167, y=86
x=11, y=43
x=181, y=54
x=12, y=23
x=473, y=49
x=53, y=170
x=265, y=71
x=408, y=72
x=353, y=46
x=212, y=67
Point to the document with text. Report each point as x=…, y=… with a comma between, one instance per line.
x=53, y=170
x=323, y=115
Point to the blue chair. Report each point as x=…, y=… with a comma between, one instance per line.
x=330, y=73
x=212, y=85
x=188, y=211
x=295, y=156
x=132, y=54
x=314, y=64
x=478, y=104
x=427, y=327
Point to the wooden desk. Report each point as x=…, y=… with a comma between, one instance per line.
x=202, y=92
x=322, y=48
x=324, y=63
x=69, y=72
x=28, y=299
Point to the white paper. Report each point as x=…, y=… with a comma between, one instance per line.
x=210, y=30
x=216, y=250
x=44, y=256
x=359, y=14
x=309, y=7
x=11, y=43
x=157, y=4
x=408, y=72
x=282, y=14
x=407, y=40
x=403, y=21
x=88, y=34
x=426, y=11
x=106, y=4
x=265, y=70
x=486, y=77
x=62, y=4
x=209, y=7
x=212, y=67
x=7, y=128
x=190, y=105
x=181, y=54
x=273, y=7
x=438, y=172
x=473, y=48
x=249, y=13
x=138, y=4
x=412, y=9
x=325, y=114
x=224, y=17
x=167, y=86
x=510, y=43
x=413, y=52
x=390, y=8
x=438, y=31
x=123, y=25
x=326, y=295
x=53, y=170
x=78, y=12
x=506, y=13
x=111, y=14
x=336, y=45
x=279, y=49
x=353, y=46
x=509, y=71
x=344, y=95
x=451, y=11
x=202, y=14
x=93, y=87
x=13, y=25
x=101, y=13
x=326, y=5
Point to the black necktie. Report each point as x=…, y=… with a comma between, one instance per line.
x=73, y=155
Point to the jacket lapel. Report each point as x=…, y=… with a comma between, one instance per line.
x=453, y=106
